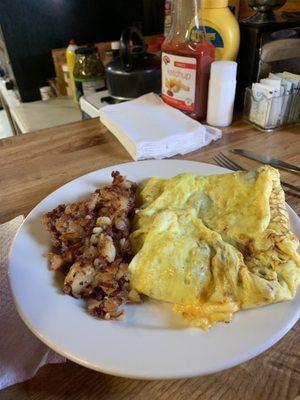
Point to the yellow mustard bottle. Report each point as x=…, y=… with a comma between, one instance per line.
x=70, y=56
x=221, y=27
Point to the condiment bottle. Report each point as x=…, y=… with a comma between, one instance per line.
x=88, y=71
x=186, y=58
x=70, y=56
x=222, y=28
x=221, y=93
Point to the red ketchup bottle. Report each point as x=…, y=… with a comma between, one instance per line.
x=187, y=55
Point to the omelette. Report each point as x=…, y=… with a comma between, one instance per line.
x=213, y=245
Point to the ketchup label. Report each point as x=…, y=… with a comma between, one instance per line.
x=179, y=81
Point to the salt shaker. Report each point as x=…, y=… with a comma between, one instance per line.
x=221, y=93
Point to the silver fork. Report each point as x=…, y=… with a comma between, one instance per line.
x=226, y=162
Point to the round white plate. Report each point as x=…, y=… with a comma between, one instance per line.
x=151, y=342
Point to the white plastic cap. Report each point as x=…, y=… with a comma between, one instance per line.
x=223, y=70
x=115, y=45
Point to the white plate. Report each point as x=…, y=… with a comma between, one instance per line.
x=152, y=342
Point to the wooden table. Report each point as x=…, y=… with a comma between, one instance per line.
x=35, y=164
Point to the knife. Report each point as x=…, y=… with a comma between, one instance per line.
x=267, y=160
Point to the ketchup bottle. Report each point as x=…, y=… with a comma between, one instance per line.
x=187, y=55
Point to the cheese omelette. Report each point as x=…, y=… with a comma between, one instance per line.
x=213, y=245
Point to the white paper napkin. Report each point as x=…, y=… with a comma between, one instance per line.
x=21, y=353
x=149, y=128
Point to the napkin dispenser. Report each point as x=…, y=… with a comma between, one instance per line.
x=270, y=42
x=135, y=72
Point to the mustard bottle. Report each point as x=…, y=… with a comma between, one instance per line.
x=70, y=56
x=222, y=28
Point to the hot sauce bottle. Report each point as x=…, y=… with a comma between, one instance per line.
x=186, y=58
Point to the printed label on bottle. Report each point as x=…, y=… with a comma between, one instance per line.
x=85, y=87
x=213, y=35
x=92, y=87
x=179, y=81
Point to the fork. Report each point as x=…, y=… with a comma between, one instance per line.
x=226, y=162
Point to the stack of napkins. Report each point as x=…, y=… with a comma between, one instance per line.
x=149, y=128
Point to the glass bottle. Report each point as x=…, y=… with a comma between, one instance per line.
x=186, y=58
x=88, y=71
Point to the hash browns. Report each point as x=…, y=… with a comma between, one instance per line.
x=91, y=246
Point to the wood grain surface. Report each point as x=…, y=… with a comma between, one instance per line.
x=35, y=164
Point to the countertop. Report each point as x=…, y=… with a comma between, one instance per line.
x=40, y=114
x=34, y=165
x=37, y=115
